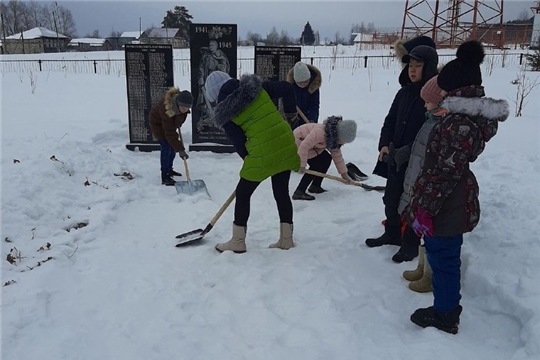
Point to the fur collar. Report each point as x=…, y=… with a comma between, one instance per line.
x=238, y=100
x=316, y=77
x=331, y=134
x=488, y=108
x=400, y=51
x=171, y=109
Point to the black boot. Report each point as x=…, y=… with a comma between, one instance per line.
x=391, y=236
x=316, y=189
x=448, y=321
x=167, y=180
x=405, y=253
x=301, y=195
x=174, y=173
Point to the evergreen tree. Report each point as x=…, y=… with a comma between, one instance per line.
x=534, y=60
x=307, y=37
x=179, y=18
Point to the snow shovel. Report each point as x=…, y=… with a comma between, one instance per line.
x=354, y=172
x=190, y=187
x=196, y=235
x=355, y=183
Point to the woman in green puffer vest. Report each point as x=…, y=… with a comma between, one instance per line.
x=262, y=137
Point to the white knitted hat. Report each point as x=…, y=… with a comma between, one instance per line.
x=301, y=72
x=346, y=131
x=213, y=84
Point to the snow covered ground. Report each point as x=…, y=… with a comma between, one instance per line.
x=117, y=288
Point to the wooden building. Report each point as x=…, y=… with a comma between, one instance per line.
x=36, y=40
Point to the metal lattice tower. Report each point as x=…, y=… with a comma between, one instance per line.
x=450, y=23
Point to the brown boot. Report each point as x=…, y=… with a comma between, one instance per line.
x=285, y=241
x=416, y=274
x=237, y=243
x=424, y=284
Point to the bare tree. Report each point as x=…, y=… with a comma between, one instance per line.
x=524, y=15
x=115, y=34
x=19, y=16
x=255, y=37
x=13, y=16
x=284, y=38
x=94, y=34
x=524, y=88
x=64, y=21
x=39, y=15
x=273, y=37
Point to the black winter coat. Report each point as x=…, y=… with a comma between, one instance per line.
x=405, y=117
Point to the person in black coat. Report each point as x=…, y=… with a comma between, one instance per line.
x=401, y=125
x=306, y=80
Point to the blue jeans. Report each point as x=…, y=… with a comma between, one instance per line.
x=167, y=156
x=444, y=256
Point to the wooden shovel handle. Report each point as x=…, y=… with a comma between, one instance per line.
x=302, y=115
x=355, y=183
x=187, y=171
x=316, y=173
x=223, y=208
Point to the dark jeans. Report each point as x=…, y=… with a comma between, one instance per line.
x=167, y=156
x=319, y=163
x=280, y=188
x=444, y=256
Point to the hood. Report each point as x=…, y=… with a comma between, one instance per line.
x=247, y=90
x=316, y=78
x=171, y=109
x=484, y=112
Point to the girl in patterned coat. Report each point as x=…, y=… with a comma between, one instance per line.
x=318, y=145
x=444, y=203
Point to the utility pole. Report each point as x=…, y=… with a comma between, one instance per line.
x=3, y=33
x=55, y=26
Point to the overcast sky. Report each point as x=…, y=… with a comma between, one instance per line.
x=257, y=16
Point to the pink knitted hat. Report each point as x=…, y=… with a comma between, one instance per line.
x=431, y=92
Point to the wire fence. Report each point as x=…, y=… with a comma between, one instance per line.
x=244, y=65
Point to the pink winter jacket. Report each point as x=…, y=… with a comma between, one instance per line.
x=311, y=141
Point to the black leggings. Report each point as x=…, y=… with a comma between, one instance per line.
x=319, y=163
x=280, y=188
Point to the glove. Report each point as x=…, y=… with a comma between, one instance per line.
x=401, y=156
x=291, y=117
x=423, y=223
x=183, y=155
x=302, y=170
x=347, y=178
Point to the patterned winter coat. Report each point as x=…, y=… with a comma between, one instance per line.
x=418, y=153
x=165, y=119
x=446, y=188
x=308, y=98
x=313, y=139
x=260, y=134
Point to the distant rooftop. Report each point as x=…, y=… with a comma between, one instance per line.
x=36, y=33
x=91, y=41
x=162, y=32
x=131, y=34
